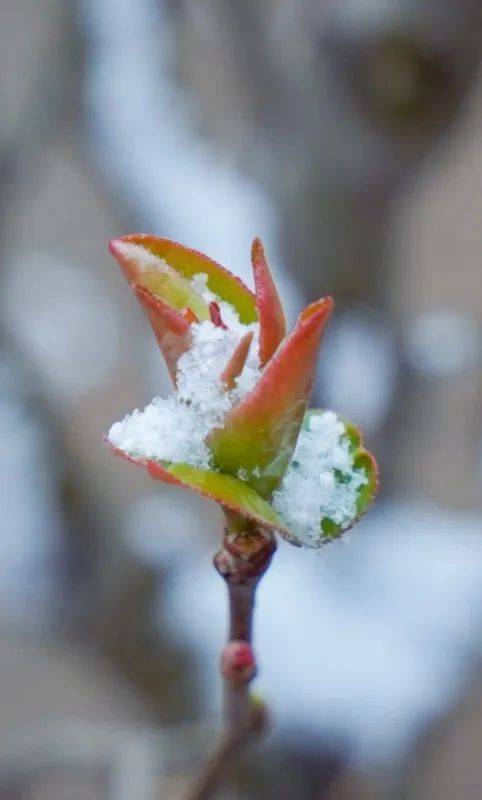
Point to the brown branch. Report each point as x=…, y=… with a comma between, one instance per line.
x=243, y=559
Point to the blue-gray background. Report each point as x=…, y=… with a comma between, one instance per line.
x=348, y=135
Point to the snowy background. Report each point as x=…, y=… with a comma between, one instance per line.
x=352, y=146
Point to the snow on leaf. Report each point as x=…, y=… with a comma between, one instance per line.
x=330, y=482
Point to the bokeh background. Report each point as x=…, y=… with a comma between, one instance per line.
x=348, y=135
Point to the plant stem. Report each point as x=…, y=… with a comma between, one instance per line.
x=242, y=561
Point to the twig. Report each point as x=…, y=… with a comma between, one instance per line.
x=243, y=559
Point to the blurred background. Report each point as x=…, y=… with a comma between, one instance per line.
x=348, y=135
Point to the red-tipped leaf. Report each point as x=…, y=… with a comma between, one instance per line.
x=259, y=434
x=272, y=321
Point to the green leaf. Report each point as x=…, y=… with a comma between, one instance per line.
x=226, y=490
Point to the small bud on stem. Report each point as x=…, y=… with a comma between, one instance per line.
x=238, y=665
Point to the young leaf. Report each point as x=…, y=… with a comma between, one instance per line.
x=141, y=253
x=272, y=321
x=259, y=434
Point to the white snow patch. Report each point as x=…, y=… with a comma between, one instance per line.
x=175, y=428
x=145, y=260
x=321, y=480
x=228, y=312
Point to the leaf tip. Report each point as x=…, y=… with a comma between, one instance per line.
x=270, y=309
